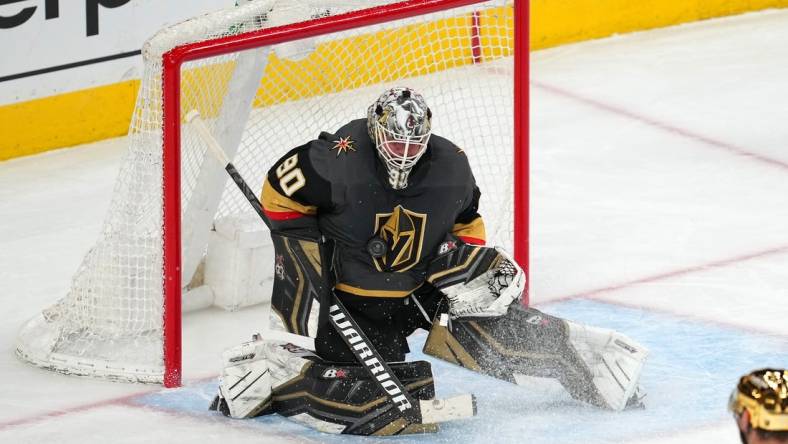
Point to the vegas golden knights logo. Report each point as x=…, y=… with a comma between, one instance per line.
x=403, y=232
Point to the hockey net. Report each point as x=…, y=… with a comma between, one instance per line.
x=260, y=99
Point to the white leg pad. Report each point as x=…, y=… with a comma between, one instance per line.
x=245, y=382
x=254, y=368
x=614, y=360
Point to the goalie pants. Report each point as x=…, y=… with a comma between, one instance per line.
x=387, y=322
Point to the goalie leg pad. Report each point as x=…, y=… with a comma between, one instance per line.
x=245, y=382
x=329, y=397
x=299, y=283
x=341, y=398
x=614, y=361
x=597, y=366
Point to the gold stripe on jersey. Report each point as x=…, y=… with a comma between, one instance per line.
x=374, y=293
x=474, y=229
x=275, y=202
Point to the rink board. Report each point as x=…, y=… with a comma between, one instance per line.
x=692, y=368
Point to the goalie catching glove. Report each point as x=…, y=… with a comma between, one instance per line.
x=478, y=281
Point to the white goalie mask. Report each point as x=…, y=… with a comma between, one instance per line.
x=399, y=123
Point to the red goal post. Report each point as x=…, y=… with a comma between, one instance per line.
x=171, y=79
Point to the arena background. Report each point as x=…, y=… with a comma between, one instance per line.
x=73, y=74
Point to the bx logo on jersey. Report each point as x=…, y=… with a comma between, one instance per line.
x=447, y=247
x=403, y=232
x=334, y=373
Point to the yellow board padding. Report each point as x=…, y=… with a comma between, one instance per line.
x=347, y=63
x=496, y=33
x=67, y=119
x=557, y=22
x=344, y=64
x=102, y=112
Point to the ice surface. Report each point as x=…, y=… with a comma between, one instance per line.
x=660, y=208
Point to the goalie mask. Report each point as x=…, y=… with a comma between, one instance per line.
x=399, y=123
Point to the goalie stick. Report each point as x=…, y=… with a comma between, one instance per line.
x=421, y=412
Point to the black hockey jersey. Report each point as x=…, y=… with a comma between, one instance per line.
x=338, y=183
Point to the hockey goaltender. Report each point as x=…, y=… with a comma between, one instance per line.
x=376, y=230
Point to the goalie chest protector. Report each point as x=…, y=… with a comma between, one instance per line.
x=343, y=180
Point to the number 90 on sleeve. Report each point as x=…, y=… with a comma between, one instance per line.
x=291, y=179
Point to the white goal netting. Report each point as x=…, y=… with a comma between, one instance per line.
x=258, y=104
